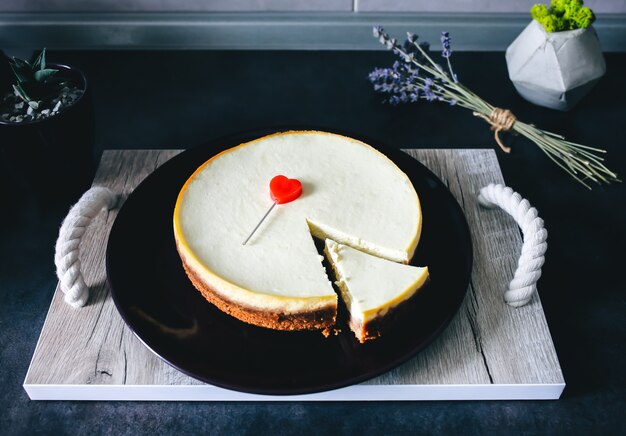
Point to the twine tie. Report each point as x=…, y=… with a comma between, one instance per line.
x=501, y=120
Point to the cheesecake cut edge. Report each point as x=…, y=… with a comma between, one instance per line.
x=324, y=232
x=375, y=319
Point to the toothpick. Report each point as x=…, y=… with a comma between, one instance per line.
x=260, y=222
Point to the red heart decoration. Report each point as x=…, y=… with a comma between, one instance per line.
x=283, y=190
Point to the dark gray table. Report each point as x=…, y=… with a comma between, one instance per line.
x=180, y=99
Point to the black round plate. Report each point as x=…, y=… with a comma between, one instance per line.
x=164, y=310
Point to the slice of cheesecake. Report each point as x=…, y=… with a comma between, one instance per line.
x=371, y=287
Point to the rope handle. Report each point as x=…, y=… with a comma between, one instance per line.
x=524, y=284
x=66, y=255
x=520, y=291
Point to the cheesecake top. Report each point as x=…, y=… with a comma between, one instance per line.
x=350, y=192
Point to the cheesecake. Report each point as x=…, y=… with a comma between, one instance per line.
x=351, y=194
x=371, y=287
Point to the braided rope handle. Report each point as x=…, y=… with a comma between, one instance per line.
x=524, y=283
x=520, y=291
x=66, y=255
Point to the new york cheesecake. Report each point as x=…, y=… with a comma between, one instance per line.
x=351, y=193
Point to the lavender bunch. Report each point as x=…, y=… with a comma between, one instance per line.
x=418, y=77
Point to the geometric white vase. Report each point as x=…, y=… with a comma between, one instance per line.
x=555, y=69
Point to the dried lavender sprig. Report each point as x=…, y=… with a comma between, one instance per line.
x=437, y=73
x=472, y=100
x=391, y=80
x=460, y=92
x=447, y=52
x=434, y=69
x=576, y=159
x=571, y=161
x=568, y=156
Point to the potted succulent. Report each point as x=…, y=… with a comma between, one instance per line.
x=46, y=128
x=557, y=58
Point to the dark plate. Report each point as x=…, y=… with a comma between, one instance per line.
x=159, y=304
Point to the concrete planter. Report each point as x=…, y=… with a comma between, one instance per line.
x=556, y=69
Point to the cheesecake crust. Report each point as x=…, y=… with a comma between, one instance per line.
x=322, y=319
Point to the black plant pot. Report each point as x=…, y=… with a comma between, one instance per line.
x=52, y=158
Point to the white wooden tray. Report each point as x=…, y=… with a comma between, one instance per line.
x=489, y=350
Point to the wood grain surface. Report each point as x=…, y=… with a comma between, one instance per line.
x=487, y=345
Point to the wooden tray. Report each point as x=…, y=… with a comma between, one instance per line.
x=489, y=351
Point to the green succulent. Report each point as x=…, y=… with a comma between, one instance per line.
x=563, y=15
x=34, y=82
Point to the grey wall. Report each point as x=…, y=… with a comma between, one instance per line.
x=488, y=25
x=174, y=5
x=600, y=6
